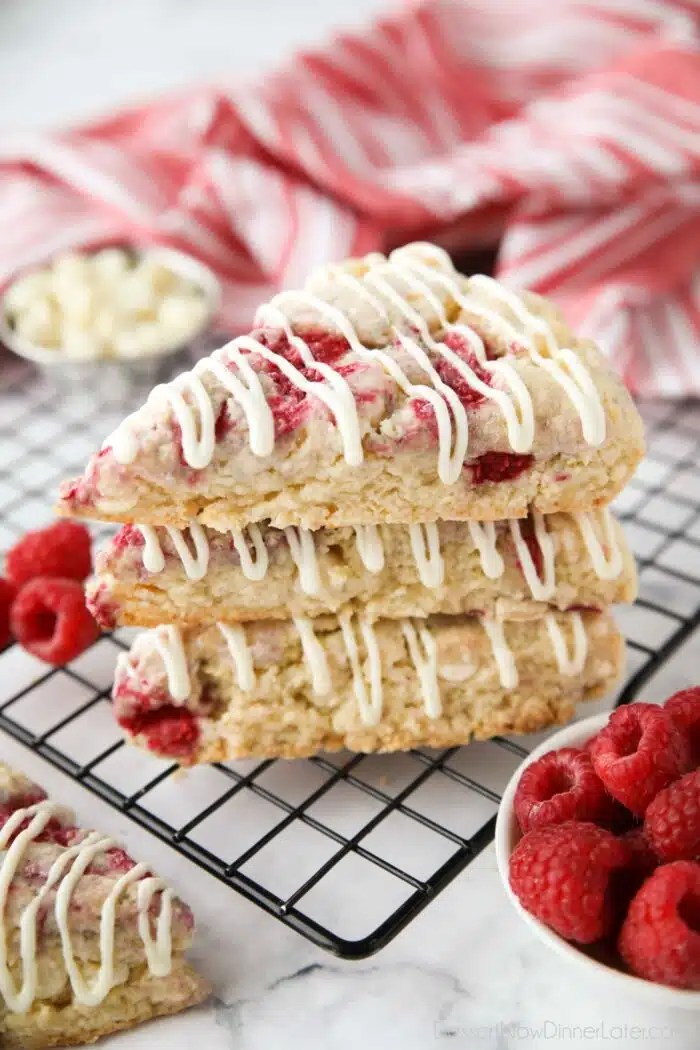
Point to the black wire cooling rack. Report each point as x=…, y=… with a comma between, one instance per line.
x=382, y=834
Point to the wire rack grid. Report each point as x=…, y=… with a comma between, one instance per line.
x=388, y=833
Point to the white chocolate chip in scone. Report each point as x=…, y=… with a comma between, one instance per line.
x=456, y=672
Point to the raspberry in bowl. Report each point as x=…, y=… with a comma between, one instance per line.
x=598, y=847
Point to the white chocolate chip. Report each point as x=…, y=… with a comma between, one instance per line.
x=24, y=292
x=69, y=269
x=456, y=672
x=78, y=344
x=105, y=305
x=110, y=265
x=141, y=341
x=76, y=301
x=182, y=316
x=38, y=323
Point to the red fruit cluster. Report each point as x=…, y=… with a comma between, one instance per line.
x=610, y=846
x=42, y=602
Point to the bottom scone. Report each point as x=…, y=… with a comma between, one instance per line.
x=293, y=688
x=90, y=941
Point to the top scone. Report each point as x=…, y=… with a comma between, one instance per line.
x=389, y=390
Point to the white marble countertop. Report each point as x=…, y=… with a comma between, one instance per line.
x=466, y=972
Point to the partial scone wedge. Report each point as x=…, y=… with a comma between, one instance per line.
x=281, y=689
x=60, y=881
x=386, y=391
x=517, y=569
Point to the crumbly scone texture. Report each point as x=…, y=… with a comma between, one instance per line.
x=141, y=997
x=125, y=593
x=282, y=717
x=307, y=481
x=55, y=1017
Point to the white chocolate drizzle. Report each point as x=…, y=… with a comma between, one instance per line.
x=370, y=547
x=425, y=663
x=606, y=560
x=540, y=589
x=252, y=569
x=607, y=566
x=425, y=544
x=314, y=655
x=168, y=642
x=568, y=665
x=422, y=651
x=370, y=707
x=195, y=565
x=241, y=656
x=63, y=877
x=303, y=550
x=484, y=539
x=502, y=653
x=419, y=268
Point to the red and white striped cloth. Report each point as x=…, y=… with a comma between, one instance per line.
x=570, y=130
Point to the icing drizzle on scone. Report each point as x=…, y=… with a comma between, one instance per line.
x=605, y=554
x=416, y=270
x=61, y=880
x=367, y=688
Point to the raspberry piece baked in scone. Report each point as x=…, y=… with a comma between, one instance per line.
x=386, y=391
x=66, y=894
x=515, y=569
x=289, y=689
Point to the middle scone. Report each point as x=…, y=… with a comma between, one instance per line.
x=508, y=570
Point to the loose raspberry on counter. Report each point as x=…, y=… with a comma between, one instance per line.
x=561, y=874
x=684, y=709
x=50, y=619
x=7, y=596
x=638, y=753
x=672, y=820
x=561, y=785
x=659, y=939
x=62, y=549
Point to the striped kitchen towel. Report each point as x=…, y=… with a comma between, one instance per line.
x=569, y=132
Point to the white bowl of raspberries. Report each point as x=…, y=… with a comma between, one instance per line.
x=598, y=846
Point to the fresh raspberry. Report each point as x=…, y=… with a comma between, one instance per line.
x=642, y=856
x=101, y=606
x=642, y=861
x=561, y=785
x=684, y=709
x=659, y=939
x=672, y=820
x=638, y=753
x=62, y=549
x=561, y=875
x=499, y=466
x=7, y=596
x=169, y=731
x=50, y=619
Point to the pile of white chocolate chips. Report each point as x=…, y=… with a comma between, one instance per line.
x=113, y=303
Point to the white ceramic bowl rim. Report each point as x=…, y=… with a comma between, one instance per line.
x=179, y=262
x=505, y=840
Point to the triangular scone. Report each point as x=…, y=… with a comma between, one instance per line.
x=388, y=390
x=281, y=689
x=517, y=569
x=68, y=888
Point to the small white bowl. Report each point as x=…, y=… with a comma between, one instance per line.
x=109, y=369
x=507, y=837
